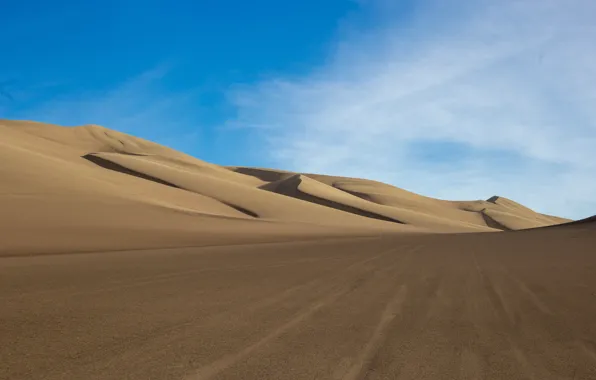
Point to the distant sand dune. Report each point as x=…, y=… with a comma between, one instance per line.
x=98, y=182
x=301, y=187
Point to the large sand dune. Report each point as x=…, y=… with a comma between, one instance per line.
x=95, y=181
x=124, y=259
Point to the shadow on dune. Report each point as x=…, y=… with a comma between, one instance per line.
x=589, y=222
x=262, y=174
x=242, y=210
x=107, y=164
x=493, y=223
x=289, y=187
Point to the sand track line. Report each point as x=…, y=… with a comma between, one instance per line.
x=588, y=348
x=209, y=371
x=305, y=240
x=393, y=308
x=531, y=295
x=164, y=277
x=495, y=296
x=523, y=361
x=470, y=365
x=172, y=333
x=436, y=297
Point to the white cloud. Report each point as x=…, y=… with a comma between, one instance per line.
x=512, y=83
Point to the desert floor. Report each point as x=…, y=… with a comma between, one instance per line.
x=511, y=305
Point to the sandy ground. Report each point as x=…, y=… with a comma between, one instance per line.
x=124, y=259
x=512, y=305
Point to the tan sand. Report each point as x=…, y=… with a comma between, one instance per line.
x=409, y=208
x=123, y=259
x=512, y=305
x=90, y=188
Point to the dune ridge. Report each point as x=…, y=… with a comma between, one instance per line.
x=102, y=183
x=495, y=213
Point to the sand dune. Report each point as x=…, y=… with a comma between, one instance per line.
x=55, y=199
x=121, y=258
x=401, y=205
x=251, y=201
x=97, y=181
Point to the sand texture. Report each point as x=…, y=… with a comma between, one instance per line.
x=124, y=259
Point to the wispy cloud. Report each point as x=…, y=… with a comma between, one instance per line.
x=141, y=105
x=463, y=99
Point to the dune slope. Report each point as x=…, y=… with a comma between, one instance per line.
x=91, y=188
x=496, y=213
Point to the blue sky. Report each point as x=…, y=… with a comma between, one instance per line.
x=157, y=69
x=457, y=99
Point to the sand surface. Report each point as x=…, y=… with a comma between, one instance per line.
x=124, y=259
x=89, y=188
x=512, y=305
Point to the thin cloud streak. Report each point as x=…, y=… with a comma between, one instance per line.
x=140, y=106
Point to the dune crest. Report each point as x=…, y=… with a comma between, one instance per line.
x=103, y=183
